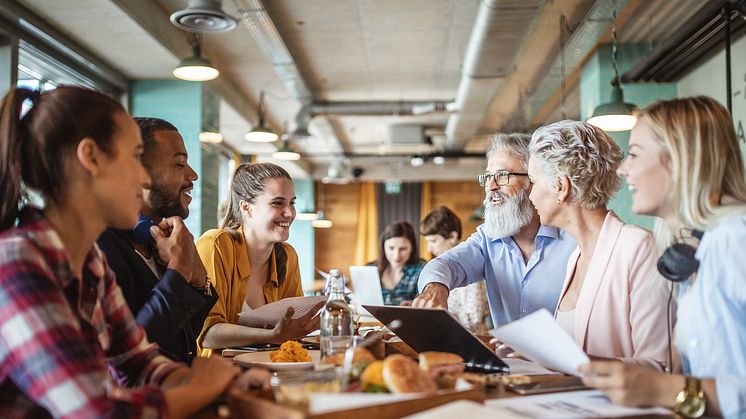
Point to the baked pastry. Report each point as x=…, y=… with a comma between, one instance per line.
x=403, y=375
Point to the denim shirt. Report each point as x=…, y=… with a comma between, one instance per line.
x=711, y=324
x=515, y=288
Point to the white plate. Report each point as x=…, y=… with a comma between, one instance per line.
x=250, y=359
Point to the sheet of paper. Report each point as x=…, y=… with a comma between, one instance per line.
x=319, y=403
x=270, y=314
x=524, y=367
x=539, y=338
x=457, y=409
x=570, y=404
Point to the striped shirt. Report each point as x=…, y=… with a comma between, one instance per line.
x=69, y=347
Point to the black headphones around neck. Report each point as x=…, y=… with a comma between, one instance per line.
x=678, y=263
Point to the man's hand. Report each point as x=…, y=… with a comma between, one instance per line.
x=434, y=295
x=175, y=245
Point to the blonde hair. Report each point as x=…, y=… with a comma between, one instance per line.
x=699, y=136
x=583, y=153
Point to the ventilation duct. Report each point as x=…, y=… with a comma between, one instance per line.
x=371, y=108
x=203, y=16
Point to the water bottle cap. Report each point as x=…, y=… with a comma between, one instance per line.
x=335, y=272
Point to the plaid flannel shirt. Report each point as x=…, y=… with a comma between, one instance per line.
x=69, y=346
x=406, y=288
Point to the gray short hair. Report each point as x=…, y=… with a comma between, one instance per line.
x=515, y=144
x=585, y=154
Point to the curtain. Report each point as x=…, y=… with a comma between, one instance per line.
x=426, y=205
x=366, y=242
x=402, y=206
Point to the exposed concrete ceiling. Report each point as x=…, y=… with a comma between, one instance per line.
x=370, y=51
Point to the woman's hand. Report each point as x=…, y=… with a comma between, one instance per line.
x=632, y=385
x=291, y=329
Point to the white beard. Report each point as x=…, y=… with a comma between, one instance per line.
x=508, y=218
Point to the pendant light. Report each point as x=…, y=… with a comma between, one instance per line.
x=615, y=115
x=321, y=221
x=261, y=133
x=196, y=68
x=285, y=152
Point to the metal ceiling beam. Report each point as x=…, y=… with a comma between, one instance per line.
x=696, y=41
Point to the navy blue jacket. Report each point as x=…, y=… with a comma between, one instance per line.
x=170, y=310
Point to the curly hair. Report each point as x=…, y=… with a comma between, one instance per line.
x=585, y=154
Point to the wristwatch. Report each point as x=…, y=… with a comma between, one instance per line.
x=690, y=402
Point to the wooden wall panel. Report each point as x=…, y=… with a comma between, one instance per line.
x=335, y=247
x=462, y=198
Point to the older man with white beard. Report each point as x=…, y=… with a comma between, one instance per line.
x=522, y=261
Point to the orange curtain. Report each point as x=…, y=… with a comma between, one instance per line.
x=426, y=206
x=366, y=243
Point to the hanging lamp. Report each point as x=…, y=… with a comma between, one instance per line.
x=261, y=133
x=285, y=153
x=321, y=221
x=195, y=68
x=615, y=115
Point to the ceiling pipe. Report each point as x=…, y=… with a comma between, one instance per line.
x=299, y=127
x=480, y=77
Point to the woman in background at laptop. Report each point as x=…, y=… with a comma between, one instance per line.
x=612, y=302
x=248, y=261
x=442, y=231
x=399, y=264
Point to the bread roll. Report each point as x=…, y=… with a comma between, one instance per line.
x=430, y=360
x=403, y=375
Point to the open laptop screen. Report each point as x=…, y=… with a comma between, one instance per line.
x=427, y=329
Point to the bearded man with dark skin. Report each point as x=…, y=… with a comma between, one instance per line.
x=159, y=271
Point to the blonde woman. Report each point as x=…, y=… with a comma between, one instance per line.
x=611, y=301
x=248, y=261
x=685, y=166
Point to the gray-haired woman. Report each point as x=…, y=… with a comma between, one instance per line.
x=248, y=261
x=611, y=301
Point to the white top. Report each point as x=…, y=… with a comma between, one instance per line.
x=566, y=320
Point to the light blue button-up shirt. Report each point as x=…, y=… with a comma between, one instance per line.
x=711, y=315
x=514, y=288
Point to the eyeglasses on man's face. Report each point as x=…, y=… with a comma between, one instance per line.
x=502, y=177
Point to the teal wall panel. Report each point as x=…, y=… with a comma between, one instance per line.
x=302, y=233
x=595, y=88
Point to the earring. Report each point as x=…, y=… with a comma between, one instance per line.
x=559, y=201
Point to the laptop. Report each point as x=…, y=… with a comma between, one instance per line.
x=428, y=329
x=366, y=287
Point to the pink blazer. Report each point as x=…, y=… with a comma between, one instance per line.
x=622, y=306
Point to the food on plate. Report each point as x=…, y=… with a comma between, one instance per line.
x=403, y=375
x=290, y=351
x=371, y=380
x=443, y=367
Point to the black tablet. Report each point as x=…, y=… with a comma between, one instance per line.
x=427, y=329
